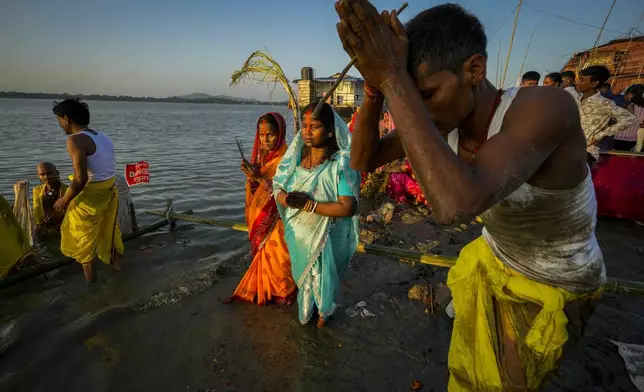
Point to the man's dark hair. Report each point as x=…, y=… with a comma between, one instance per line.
x=531, y=75
x=74, y=109
x=605, y=85
x=555, y=77
x=568, y=74
x=444, y=36
x=638, y=94
x=597, y=73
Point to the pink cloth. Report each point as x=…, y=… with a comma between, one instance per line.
x=403, y=185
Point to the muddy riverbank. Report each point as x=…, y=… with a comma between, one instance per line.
x=158, y=326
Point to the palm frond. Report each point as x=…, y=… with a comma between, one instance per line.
x=261, y=68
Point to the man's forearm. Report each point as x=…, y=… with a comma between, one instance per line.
x=446, y=181
x=364, y=142
x=75, y=188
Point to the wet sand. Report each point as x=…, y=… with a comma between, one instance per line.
x=153, y=327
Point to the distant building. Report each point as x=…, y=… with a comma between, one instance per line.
x=310, y=89
x=624, y=57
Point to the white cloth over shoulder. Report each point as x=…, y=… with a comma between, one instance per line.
x=101, y=165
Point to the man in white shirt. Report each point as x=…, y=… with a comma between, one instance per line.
x=568, y=84
x=90, y=229
x=600, y=116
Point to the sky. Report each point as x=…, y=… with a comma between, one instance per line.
x=162, y=48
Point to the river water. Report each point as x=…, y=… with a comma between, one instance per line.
x=191, y=149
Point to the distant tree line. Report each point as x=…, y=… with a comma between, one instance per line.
x=127, y=98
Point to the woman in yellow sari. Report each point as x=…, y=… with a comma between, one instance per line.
x=268, y=278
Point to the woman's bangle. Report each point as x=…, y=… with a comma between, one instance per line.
x=315, y=205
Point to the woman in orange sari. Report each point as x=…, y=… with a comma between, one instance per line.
x=268, y=278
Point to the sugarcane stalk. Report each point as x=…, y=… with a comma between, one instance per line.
x=44, y=268
x=613, y=285
x=318, y=108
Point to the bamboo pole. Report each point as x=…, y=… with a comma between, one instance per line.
x=613, y=284
x=498, y=66
x=599, y=35
x=526, y=54
x=44, y=268
x=318, y=108
x=619, y=65
x=514, y=29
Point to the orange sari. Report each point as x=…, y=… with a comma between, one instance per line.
x=269, y=276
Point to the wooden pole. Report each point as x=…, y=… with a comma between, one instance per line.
x=599, y=35
x=346, y=69
x=619, y=65
x=44, y=268
x=498, y=66
x=613, y=284
x=526, y=55
x=514, y=29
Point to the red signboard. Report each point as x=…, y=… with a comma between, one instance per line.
x=137, y=173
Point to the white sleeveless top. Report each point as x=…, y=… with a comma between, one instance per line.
x=101, y=165
x=546, y=235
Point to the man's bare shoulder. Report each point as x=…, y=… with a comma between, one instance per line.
x=80, y=144
x=552, y=108
x=79, y=140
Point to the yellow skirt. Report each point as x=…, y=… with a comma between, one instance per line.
x=509, y=331
x=90, y=228
x=14, y=242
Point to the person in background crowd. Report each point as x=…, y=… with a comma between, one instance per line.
x=530, y=79
x=569, y=78
x=46, y=218
x=90, y=229
x=553, y=79
x=517, y=157
x=353, y=119
x=606, y=91
x=626, y=140
x=126, y=214
x=386, y=124
x=600, y=117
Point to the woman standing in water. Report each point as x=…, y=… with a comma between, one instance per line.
x=317, y=193
x=269, y=276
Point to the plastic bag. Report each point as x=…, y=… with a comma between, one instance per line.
x=22, y=209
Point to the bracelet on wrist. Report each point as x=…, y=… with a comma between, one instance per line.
x=372, y=94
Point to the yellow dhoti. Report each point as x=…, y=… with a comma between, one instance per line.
x=509, y=331
x=90, y=228
x=14, y=242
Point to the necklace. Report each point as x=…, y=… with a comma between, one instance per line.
x=310, y=159
x=497, y=102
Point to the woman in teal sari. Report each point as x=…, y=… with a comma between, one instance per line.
x=317, y=197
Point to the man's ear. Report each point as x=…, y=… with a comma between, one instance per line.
x=475, y=69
